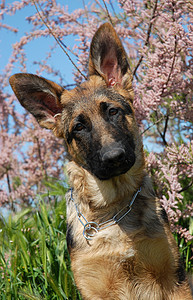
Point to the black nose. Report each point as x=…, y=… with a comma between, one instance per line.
x=114, y=156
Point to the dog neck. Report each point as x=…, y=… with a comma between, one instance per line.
x=97, y=193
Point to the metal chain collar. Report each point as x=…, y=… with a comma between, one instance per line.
x=90, y=229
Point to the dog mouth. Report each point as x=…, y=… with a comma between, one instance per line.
x=114, y=170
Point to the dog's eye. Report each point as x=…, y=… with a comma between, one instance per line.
x=113, y=111
x=79, y=127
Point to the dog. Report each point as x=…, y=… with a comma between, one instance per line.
x=118, y=236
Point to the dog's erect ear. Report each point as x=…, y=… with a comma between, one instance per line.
x=108, y=58
x=41, y=97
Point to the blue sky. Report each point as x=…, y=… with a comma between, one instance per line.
x=37, y=49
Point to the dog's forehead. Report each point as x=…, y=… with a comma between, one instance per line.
x=82, y=95
x=89, y=95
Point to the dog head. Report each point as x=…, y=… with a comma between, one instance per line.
x=96, y=119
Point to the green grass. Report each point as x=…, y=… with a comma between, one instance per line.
x=34, y=261
x=186, y=247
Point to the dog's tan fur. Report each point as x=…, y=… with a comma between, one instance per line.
x=138, y=257
x=139, y=262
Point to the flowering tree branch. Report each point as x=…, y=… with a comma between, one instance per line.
x=57, y=39
x=148, y=35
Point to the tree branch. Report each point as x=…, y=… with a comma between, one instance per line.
x=186, y=187
x=40, y=158
x=173, y=60
x=10, y=190
x=165, y=129
x=108, y=12
x=163, y=135
x=56, y=38
x=147, y=37
x=154, y=123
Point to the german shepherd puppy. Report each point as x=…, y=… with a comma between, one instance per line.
x=118, y=236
